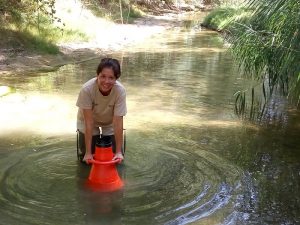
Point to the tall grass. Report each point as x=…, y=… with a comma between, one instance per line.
x=221, y=18
x=264, y=37
x=267, y=48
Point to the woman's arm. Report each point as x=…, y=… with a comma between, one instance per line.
x=88, y=134
x=118, y=132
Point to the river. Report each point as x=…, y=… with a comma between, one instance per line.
x=189, y=159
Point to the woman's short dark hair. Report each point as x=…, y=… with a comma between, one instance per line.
x=110, y=63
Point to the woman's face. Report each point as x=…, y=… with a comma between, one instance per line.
x=106, y=80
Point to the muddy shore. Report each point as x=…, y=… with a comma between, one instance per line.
x=118, y=37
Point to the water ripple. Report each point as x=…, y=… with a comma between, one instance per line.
x=36, y=183
x=179, y=187
x=169, y=186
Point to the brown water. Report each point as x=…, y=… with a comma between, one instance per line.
x=188, y=158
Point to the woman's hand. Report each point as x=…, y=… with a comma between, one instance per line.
x=119, y=156
x=87, y=157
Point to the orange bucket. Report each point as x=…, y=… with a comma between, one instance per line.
x=104, y=175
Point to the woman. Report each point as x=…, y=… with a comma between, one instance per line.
x=102, y=103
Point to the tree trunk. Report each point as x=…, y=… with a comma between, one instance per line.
x=121, y=11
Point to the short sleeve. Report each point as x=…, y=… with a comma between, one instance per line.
x=84, y=100
x=120, y=106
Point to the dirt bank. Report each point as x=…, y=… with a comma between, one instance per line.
x=115, y=38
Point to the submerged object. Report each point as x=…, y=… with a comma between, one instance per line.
x=104, y=175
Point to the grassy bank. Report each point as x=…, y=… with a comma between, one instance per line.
x=264, y=40
x=222, y=18
x=41, y=28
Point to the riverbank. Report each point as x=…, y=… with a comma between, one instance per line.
x=109, y=37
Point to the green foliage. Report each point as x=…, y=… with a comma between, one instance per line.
x=24, y=39
x=111, y=10
x=26, y=11
x=221, y=18
x=264, y=37
x=267, y=47
x=30, y=25
x=27, y=24
x=10, y=10
x=38, y=44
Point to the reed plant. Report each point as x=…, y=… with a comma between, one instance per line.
x=264, y=36
x=267, y=49
x=222, y=18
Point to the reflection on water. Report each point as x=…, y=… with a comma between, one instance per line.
x=188, y=158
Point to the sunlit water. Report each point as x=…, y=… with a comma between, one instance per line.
x=188, y=158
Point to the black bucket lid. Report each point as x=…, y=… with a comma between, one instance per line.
x=104, y=141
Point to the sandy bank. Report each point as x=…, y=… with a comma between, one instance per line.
x=108, y=37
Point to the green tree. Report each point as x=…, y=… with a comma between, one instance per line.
x=26, y=12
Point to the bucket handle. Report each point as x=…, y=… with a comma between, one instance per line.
x=93, y=161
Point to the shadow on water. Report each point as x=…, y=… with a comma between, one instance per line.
x=188, y=159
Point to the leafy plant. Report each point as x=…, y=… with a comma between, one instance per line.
x=222, y=18
x=267, y=49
